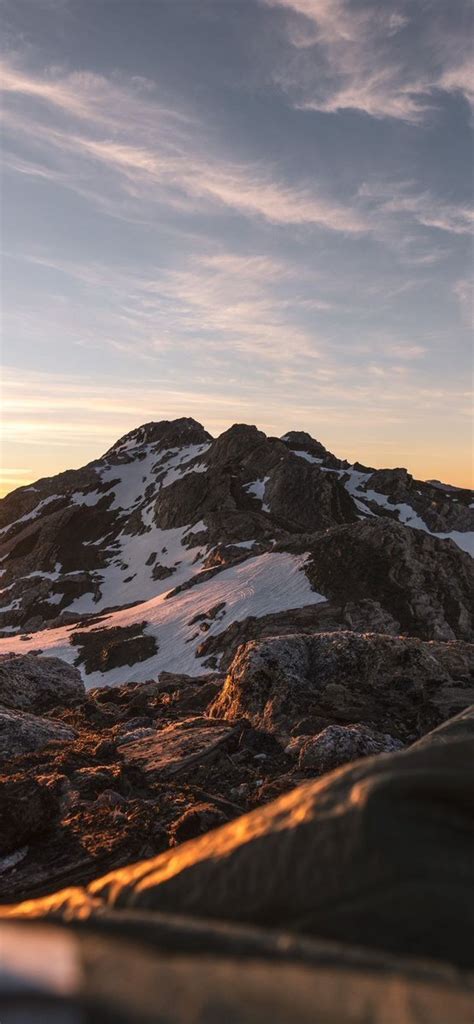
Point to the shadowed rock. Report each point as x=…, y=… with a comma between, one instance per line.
x=29, y=683
x=21, y=733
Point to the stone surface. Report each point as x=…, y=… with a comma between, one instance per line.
x=339, y=744
x=21, y=732
x=424, y=583
x=27, y=809
x=195, y=821
x=103, y=649
x=400, y=685
x=177, y=747
x=31, y=683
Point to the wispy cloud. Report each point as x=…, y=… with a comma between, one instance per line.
x=347, y=56
x=154, y=153
x=217, y=307
x=119, y=148
x=459, y=78
x=392, y=198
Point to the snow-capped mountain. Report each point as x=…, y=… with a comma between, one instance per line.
x=162, y=554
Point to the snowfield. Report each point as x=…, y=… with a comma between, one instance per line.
x=266, y=584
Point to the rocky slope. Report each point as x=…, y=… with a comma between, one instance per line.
x=175, y=547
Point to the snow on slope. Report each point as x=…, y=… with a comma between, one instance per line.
x=34, y=511
x=266, y=584
x=257, y=489
x=133, y=557
x=129, y=575
x=133, y=476
x=406, y=514
x=307, y=456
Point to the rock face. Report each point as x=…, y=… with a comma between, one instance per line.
x=103, y=649
x=28, y=683
x=400, y=685
x=166, y=433
x=21, y=733
x=424, y=583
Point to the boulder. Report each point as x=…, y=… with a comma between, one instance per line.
x=21, y=733
x=400, y=685
x=339, y=744
x=176, y=747
x=34, y=684
x=196, y=821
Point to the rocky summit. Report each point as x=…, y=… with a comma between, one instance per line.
x=174, y=548
x=198, y=630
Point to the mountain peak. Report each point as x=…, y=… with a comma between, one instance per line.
x=300, y=440
x=170, y=508
x=165, y=433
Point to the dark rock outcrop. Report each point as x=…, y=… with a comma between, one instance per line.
x=27, y=810
x=164, y=434
x=21, y=733
x=28, y=683
x=426, y=584
x=103, y=649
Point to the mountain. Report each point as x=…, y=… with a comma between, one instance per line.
x=175, y=547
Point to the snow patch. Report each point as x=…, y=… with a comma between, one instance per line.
x=257, y=489
x=308, y=457
x=406, y=514
x=267, y=584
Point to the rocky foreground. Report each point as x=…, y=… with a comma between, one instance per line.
x=348, y=900
x=93, y=780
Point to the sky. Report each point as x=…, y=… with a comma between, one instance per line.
x=242, y=211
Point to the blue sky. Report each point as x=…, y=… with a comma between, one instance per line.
x=240, y=210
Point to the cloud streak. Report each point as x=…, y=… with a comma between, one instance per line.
x=171, y=166
x=348, y=56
